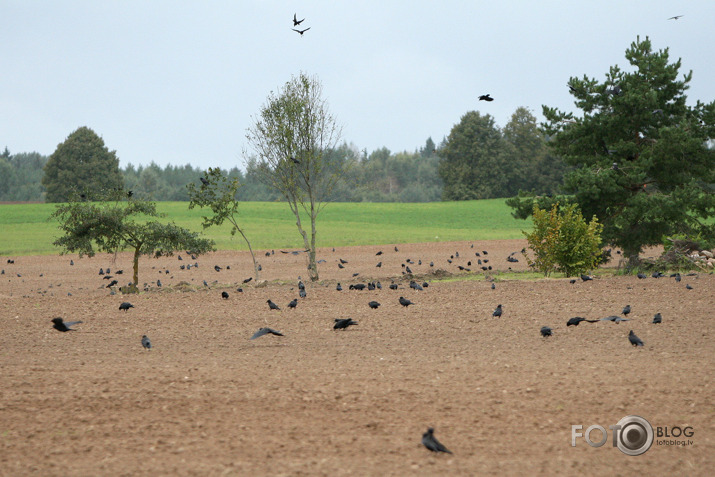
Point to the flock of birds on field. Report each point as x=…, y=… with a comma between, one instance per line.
x=428, y=439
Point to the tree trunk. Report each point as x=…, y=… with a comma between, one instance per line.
x=313, y=265
x=312, y=269
x=255, y=264
x=135, y=278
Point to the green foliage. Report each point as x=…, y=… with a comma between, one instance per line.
x=82, y=163
x=562, y=241
x=219, y=193
x=112, y=224
x=21, y=176
x=481, y=161
x=640, y=155
x=292, y=138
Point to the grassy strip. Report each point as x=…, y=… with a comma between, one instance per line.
x=25, y=230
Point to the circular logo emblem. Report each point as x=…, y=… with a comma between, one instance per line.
x=635, y=435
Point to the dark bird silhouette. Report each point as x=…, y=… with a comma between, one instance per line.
x=431, y=264
x=393, y=286
x=342, y=324
x=374, y=305
x=247, y=280
x=111, y=284
x=407, y=269
x=572, y=281
x=577, y=319
x=63, y=326
x=340, y=265
x=301, y=285
x=224, y=295
x=357, y=286
x=545, y=331
x=239, y=290
x=493, y=286
x=415, y=286
x=497, y=312
x=297, y=22
x=431, y=442
x=158, y=283
x=101, y=271
x=265, y=331
x=301, y=293
x=485, y=97
x=293, y=303
x=635, y=341
x=395, y=251
x=675, y=17
x=405, y=302
x=125, y=306
x=379, y=265
x=343, y=261
x=586, y=278
x=146, y=342
x=641, y=276
x=71, y=262
x=657, y=319
x=626, y=310
x=301, y=31
x=615, y=319
x=678, y=278
x=204, y=181
x=107, y=277
x=379, y=253
x=272, y=305
x=339, y=287
x=217, y=268
x=688, y=287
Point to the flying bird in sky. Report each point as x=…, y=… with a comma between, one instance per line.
x=485, y=97
x=675, y=17
x=301, y=31
x=297, y=22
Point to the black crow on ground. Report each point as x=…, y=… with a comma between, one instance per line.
x=342, y=324
x=374, y=305
x=293, y=303
x=272, y=305
x=405, y=302
x=431, y=442
x=545, y=331
x=146, y=343
x=497, y=312
x=626, y=310
x=339, y=287
x=586, y=278
x=224, y=295
x=657, y=319
x=125, y=306
x=635, y=341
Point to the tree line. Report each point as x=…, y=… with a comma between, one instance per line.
x=478, y=160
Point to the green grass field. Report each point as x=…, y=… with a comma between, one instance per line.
x=25, y=230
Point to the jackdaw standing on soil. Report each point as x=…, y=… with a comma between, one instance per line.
x=431, y=442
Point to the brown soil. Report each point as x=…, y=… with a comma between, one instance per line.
x=207, y=401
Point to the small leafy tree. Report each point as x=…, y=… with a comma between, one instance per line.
x=292, y=137
x=219, y=193
x=563, y=241
x=113, y=225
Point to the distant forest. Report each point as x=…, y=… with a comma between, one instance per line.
x=478, y=160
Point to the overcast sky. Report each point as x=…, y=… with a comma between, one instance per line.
x=178, y=82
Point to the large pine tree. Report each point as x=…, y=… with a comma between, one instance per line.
x=81, y=163
x=641, y=159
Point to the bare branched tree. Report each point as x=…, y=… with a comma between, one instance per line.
x=292, y=137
